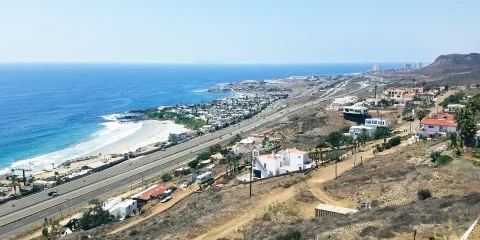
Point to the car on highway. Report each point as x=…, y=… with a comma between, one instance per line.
x=53, y=194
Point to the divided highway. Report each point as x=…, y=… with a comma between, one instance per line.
x=18, y=214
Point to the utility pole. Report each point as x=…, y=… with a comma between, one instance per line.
x=361, y=160
x=355, y=157
x=251, y=171
x=68, y=204
x=336, y=161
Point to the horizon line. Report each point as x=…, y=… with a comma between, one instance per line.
x=222, y=63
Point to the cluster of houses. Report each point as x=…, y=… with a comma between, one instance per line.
x=253, y=86
x=223, y=112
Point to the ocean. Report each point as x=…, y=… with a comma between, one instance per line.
x=58, y=110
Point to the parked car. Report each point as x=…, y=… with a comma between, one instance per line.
x=184, y=185
x=166, y=199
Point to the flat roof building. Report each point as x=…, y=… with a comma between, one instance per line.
x=325, y=209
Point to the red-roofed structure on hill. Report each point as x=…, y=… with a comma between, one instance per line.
x=153, y=193
x=430, y=127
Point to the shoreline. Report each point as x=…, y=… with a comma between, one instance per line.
x=115, y=138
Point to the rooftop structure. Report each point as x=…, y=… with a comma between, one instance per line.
x=376, y=122
x=355, y=110
x=325, y=209
x=153, y=192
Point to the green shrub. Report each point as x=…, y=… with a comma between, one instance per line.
x=94, y=201
x=395, y=141
x=193, y=164
x=387, y=145
x=291, y=235
x=334, y=155
x=434, y=155
x=166, y=177
x=204, y=156
x=444, y=160
x=381, y=132
x=379, y=148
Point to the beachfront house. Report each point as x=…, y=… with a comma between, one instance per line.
x=45, y=184
x=355, y=130
x=273, y=164
x=376, y=122
x=432, y=127
x=207, y=128
x=97, y=166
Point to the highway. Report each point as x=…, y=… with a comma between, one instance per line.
x=33, y=209
x=17, y=214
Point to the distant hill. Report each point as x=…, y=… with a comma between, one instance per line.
x=452, y=64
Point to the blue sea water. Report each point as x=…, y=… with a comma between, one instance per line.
x=49, y=107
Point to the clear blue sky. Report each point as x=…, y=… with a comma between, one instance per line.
x=258, y=31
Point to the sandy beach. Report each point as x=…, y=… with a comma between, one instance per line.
x=150, y=133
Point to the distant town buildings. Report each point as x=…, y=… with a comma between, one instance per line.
x=407, y=66
x=420, y=65
x=374, y=67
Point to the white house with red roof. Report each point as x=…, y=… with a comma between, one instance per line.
x=431, y=127
x=288, y=160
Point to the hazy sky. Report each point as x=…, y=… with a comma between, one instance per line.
x=257, y=31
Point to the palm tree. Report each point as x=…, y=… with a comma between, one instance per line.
x=376, y=91
x=466, y=124
x=413, y=80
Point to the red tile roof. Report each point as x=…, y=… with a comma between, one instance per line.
x=154, y=192
x=430, y=121
x=446, y=116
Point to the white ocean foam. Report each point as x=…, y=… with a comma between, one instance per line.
x=113, y=131
x=200, y=90
x=111, y=117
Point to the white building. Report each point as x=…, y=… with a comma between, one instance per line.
x=110, y=203
x=207, y=128
x=401, y=103
x=273, y=164
x=395, y=93
x=124, y=208
x=453, y=108
x=355, y=130
x=429, y=127
x=339, y=103
x=376, y=122
x=355, y=110
x=247, y=145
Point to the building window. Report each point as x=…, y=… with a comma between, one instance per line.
x=430, y=126
x=264, y=165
